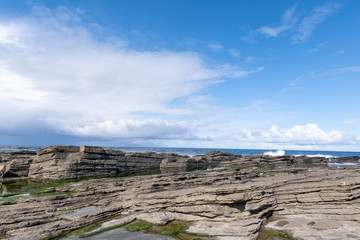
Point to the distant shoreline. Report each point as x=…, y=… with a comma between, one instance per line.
x=201, y=151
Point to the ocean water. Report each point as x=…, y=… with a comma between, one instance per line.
x=202, y=151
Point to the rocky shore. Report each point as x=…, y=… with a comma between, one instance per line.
x=238, y=199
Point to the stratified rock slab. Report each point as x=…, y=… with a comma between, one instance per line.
x=298, y=195
x=321, y=204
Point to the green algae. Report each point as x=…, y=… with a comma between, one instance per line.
x=15, y=189
x=57, y=237
x=173, y=231
x=87, y=229
x=270, y=234
x=139, y=226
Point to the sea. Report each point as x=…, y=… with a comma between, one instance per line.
x=202, y=151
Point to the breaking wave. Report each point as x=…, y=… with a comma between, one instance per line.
x=275, y=153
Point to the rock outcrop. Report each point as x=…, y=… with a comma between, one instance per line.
x=267, y=162
x=298, y=195
x=222, y=203
x=70, y=162
x=351, y=159
x=16, y=164
x=66, y=162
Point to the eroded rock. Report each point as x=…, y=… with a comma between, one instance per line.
x=297, y=195
x=220, y=203
x=16, y=164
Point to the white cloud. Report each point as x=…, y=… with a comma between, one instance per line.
x=9, y=35
x=309, y=134
x=308, y=24
x=148, y=129
x=306, y=135
x=216, y=47
x=288, y=22
x=272, y=31
x=302, y=27
x=346, y=69
x=316, y=49
x=249, y=59
x=54, y=71
x=352, y=122
x=338, y=52
x=235, y=53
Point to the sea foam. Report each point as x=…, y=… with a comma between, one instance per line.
x=276, y=153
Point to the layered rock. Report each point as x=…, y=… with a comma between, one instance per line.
x=223, y=204
x=216, y=157
x=267, y=162
x=325, y=206
x=16, y=164
x=67, y=162
x=299, y=195
x=350, y=159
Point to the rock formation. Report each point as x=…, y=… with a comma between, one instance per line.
x=73, y=162
x=299, y=196
x=15, y=164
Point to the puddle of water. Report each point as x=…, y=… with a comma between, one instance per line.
x=208, y=169
x=122, y=233
x=334, y=164
x=25, y=188
x=173, y=230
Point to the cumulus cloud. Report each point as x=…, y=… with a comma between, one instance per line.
x=309, y=134
x=301, y=135
x=55, y=72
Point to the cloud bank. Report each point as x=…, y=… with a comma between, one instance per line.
x=305, y=135
x=55, y=72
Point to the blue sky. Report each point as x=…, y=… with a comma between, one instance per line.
x=224, y=74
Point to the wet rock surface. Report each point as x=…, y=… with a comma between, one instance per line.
x=254, y=193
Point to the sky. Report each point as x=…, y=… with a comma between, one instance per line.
x=181, y=73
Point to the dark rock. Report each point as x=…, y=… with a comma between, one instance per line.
x=216, y=157
x=352, y=159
